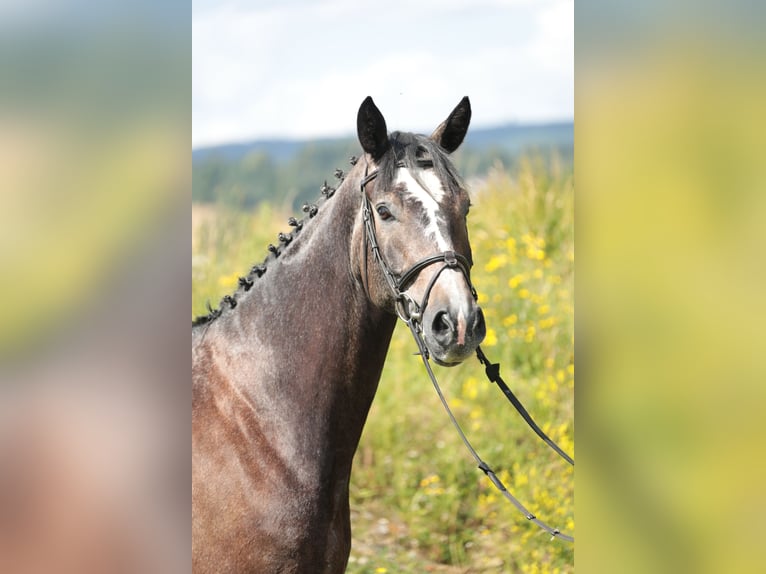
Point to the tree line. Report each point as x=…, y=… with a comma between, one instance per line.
x=244, y=182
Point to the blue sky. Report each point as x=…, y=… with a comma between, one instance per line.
x=297, y=68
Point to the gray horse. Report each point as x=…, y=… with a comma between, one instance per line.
x=284, y=373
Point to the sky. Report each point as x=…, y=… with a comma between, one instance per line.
x=299, y=68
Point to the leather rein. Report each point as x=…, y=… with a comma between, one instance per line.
x=411, y=312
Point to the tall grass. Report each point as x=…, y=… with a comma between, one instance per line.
x=418, y=502
x=225, y=245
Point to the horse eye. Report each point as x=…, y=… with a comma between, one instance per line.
x=383, y=212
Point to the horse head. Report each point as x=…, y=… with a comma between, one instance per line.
x=414, y=256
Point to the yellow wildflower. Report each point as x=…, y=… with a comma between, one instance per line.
x=471, y=388
x=487, y=499
x=515, y=281
x=429, y=480
x=549, y=363
x=491, y=339
x=547, y=323
x=524, y=293
x=228, y=281
x=496, y=262
x=455, y=403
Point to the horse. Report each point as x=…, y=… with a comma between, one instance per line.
x=285, y=371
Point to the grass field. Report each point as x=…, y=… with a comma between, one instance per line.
x=418, y=502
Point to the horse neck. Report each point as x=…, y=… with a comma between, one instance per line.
x=314, y=343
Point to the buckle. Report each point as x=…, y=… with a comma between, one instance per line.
x=450, y=259
x=407, y=309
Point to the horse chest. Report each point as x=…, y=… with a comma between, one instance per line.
x=254, y=508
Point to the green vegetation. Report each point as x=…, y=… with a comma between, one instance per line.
x=418, y=502
x=244, y=183
x=242, y=176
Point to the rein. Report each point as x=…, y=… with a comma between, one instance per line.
x=411, y=313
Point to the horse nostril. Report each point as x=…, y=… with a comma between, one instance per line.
x=442, y=327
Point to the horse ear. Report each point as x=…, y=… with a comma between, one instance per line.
x=371, y=129
x=451, y=131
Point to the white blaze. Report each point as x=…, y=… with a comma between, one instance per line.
x=429, y=198
x=451, y=281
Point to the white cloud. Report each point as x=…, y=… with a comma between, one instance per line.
x=296, y=69
x=554, y=45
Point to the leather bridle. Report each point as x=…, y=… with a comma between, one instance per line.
x=409, y=310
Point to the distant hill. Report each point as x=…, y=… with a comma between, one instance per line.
x=245, y=174
x=514, y=138
x=279, y=150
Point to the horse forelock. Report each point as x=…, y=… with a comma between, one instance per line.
x=419, y=154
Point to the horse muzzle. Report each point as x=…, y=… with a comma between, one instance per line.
x=453, y=330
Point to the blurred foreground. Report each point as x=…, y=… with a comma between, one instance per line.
x=94, y=398
x=670, y=134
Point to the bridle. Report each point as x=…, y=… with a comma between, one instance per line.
x=411, y=313
x=407, y=309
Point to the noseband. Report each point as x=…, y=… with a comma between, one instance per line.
x=406, y=307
